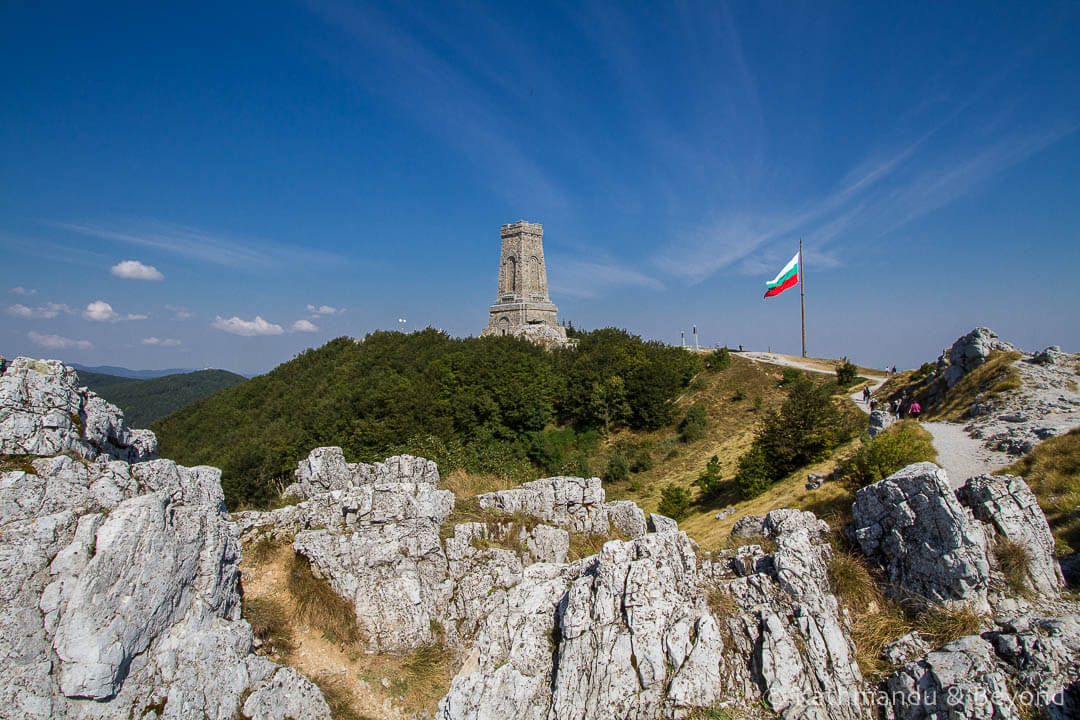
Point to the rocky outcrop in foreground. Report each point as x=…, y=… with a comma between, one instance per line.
x=937, y=546
x=119, y=582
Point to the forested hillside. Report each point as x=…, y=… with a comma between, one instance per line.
x=486, y=405
x=145, y=401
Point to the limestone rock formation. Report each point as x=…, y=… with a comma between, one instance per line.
x=629, y=633
x=880, y=420
x=971, y=351
x=913, y=526
x=43, y=411
x=576, y=504
x=119, y=583
x=961, y=680
x=1006, y=503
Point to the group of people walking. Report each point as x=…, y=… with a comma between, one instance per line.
x=899, y=407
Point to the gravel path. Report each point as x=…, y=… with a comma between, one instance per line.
x=961, y=455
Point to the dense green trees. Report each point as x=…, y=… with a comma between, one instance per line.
x=808, y=427
x=484, y=404
x=144, y=401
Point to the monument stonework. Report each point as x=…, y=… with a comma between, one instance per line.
x=522, y=306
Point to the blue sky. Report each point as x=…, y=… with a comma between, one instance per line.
x=191, y=186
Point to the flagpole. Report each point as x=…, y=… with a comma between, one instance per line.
x=802, y=297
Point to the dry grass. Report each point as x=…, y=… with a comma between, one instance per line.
x=9, y=463
x=464, y=484
x=721, y=603
x=317, y=604
x=941, y=625
x=467, y=509
x=586, y=545
x=1014, y=560
x=876, y=620
x=992, y=377
x=1052, y=470
x=350, y=678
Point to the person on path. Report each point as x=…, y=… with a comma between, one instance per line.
x=915, y=409
x=873, y=404
x=866, y=394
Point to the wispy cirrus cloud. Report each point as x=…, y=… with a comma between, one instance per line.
x=20, y=290
x=250, y=254
x=163, y=342
x=57, y=342
x=593, y=278
x=180, y=312
x=248, y=328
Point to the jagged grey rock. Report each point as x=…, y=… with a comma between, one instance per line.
x=748, y=526
x=1006, y=503
x=119, y=583
x=325, y=469
x=628, y=633
x=913, y=526
x=1044, y=657
x=961, y=680
x=880, y=420
x=43, y=411
x=971, y=351
x=288, y=695
x=626, y=517
x=662, y=523
x=576, y=504
x=904, y=649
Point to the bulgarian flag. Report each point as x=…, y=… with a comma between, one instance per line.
x=786, y=278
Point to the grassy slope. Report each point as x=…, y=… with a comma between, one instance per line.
x=1052, y=470
x=144, y=401
x=992, y=377
x=731, y=427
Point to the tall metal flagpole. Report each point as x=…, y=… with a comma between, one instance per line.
x=802, y=297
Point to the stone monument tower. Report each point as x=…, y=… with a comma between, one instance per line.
x=522, y=306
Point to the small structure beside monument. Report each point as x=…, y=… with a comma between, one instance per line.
x=522, y=307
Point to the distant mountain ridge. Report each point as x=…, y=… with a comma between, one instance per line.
x=127, y=373
x=147, y=400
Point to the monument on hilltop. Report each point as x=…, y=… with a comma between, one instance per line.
x=522, y=306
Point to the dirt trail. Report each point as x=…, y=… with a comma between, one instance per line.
x=961, y=455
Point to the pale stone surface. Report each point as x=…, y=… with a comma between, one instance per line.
x=119, y=584
x=288, y=695
x=904, y=649
x=971, y=351
x=1006, y=503
x=576, y=504
x=913, y=526
x=1044, y=656
x=961, y=680
x=880, y=420
x=43, y=411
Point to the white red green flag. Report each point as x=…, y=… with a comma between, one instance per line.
x=786, y=278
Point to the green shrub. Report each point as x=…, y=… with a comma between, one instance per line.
x=846, y=372
x=617, y=469
x=924, y=371
x=753, y=476
x=692, y=426
x=709, y=481
x=719, y=359
x=674, y=502
x=790, y=375
x=904, y=443
x=806, y=429
x=641, y=460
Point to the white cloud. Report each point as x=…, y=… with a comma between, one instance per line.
x=304, y=326
x=58, y=342
x=100, y=311
x=180, y=312
x=324, y=310
x=47, y=311
x=20, y=290
x=236, y=326
x=167, y=342
x=135, y=270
